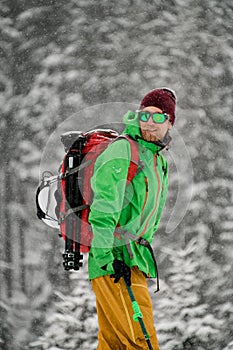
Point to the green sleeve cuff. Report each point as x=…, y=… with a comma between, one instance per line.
x=109, y=267
x=102, y=258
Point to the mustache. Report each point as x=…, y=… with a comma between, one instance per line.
x=149, y=129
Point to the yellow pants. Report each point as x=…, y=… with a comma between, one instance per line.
x=117, y=329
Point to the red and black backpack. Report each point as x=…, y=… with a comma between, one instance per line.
x=71, y=191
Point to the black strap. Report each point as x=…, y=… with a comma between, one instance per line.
x=72, y=211
x=145, y=243
x=142, y=241
x=77, y=168
x=127, y=236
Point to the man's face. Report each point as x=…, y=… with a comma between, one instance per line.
x=151, y=131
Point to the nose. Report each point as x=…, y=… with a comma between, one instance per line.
x=150, y=121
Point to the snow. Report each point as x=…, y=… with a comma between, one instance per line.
x=62, y=57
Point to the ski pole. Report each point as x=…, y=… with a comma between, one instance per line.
x=137, y=316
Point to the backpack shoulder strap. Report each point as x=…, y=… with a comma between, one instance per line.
x=135, y=164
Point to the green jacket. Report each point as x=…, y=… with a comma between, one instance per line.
x=136, y=207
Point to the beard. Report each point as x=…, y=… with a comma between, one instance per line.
x=149, y=136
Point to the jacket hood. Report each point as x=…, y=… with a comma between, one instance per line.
x=132, y=128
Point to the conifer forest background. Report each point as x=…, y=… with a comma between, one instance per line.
x=61, y=57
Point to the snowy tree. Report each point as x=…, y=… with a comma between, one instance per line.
x=72, y=323
x=19, y=156
x=9, y=39
x=185, y=320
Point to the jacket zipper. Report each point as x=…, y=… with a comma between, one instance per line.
x=156, y=200
x=146, y=196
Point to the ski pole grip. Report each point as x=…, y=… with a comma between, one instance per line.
x=137, y=312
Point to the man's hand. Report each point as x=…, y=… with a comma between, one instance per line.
x=121, y=270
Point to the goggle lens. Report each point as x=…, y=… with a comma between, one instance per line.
x=156, y=117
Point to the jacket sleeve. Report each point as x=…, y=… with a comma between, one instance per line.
x=108, y=184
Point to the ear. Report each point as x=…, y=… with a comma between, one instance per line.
x=169, y=125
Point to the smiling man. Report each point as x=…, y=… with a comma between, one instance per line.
x=124, y=220
x=155, y=129
x=154, y=124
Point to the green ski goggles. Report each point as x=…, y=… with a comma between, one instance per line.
x=159, y=118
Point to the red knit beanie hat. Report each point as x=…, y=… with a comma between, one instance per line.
x=163, y=98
